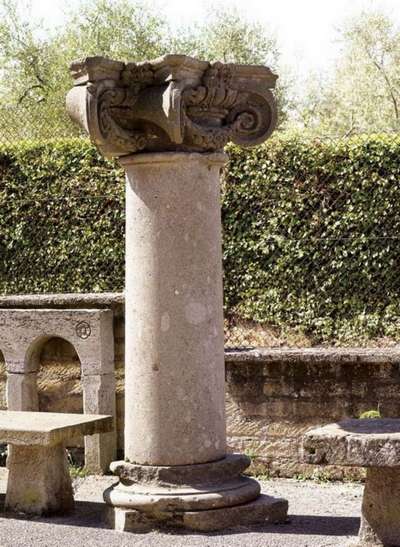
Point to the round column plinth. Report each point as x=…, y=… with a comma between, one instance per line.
x=201, y=496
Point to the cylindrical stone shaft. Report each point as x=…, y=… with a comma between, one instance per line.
x=174, y=372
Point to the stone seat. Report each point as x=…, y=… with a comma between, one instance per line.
x=39, y=481
x=375, y=445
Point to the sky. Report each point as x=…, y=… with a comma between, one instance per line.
x=305, y=29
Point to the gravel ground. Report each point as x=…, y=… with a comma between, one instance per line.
x=320, y=515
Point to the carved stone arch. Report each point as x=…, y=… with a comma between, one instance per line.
x=34, y=350
x=59, y=377
x=24, y=332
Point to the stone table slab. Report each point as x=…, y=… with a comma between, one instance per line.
x=48, y=428
x=364, y=443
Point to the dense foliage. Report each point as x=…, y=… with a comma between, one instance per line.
x=61, y=219
x=312, y=233
x=311, y=230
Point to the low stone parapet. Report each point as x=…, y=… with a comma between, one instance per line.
x=275, y=395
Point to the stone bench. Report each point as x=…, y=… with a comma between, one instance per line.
x=374, y=444
x=39, y=481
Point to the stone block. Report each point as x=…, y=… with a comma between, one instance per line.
x=99, y=398
x=38, y=480
x=47, y=428
x=22, y=393
x=264, y=509
x=23, y=332
x=367, y=443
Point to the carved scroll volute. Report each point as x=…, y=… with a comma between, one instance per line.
x=98, y=91
x=233, y=103
x=172, y=103
x=256, y=117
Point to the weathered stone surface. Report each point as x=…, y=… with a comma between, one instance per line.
x=99, y=398
x=108, y=300
x=22, y=392
x=38, y=480
x=316, y=386
x=174, y=103
x=155, y=498
x=263, y=509
x=367, y=443
x=275, y=395
x=313, y=355
x=174, y=359
x=23, y=332
x=380, y=521
x=46, y=428
x=3, y=382
x=375, y=444
x=173, y=108
x=226, y=469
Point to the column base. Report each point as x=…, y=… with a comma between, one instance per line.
x=262, y=510
x=208, y=496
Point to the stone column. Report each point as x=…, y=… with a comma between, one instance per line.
x=168, y=120
x=174, y=371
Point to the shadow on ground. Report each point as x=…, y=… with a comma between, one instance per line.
x=91, y=515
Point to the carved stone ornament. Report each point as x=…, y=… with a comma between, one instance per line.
x=174, y=103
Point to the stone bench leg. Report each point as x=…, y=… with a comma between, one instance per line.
x=38, y=481
x=380, y=519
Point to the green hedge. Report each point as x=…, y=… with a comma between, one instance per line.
x=311, y=230
x=312, y=236
x=61, y=219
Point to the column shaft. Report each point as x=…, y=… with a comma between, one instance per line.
x=174, y=372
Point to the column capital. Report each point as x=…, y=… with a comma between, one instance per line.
x=173, y=103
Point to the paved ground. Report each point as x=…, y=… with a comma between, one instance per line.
x=321, y=515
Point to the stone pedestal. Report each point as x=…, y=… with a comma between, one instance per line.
x=38, y=480
x=380, y=512
x=178, y=113
x=207, y=496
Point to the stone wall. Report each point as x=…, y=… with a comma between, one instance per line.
x=273, y=395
